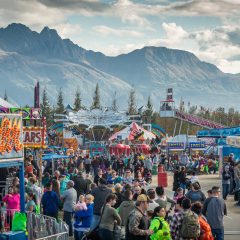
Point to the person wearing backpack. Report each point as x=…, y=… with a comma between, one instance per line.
x=205, y=229
x=159, y=225
x=185, y=224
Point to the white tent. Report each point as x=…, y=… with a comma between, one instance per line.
x=131, y=131
x=5, y=104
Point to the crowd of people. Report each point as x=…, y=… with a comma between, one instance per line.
x=115, y=197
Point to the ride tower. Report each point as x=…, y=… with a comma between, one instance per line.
x=167, y=106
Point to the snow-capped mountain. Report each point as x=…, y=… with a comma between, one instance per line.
x=27, y=57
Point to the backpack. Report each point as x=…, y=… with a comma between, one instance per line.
x=190, y=225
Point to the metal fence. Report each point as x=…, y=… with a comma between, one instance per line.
x=43, y=227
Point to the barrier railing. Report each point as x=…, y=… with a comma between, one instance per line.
x=44, y=227
x=6, y=218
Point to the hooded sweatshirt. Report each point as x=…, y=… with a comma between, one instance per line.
x=161, y=229
x=100, y=194
x=124, y=209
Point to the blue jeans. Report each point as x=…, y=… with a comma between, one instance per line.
x=225, y=190
x=78, y=235
x=95, y=221
x=67, y=217
x=218, y=233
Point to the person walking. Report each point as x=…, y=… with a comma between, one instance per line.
x=69, y=198
x=137, y=225
x=184, y=224
x=214, y=209
x=159, y=225
x=50, y=202
x=83, y=218
x=100, y=194
x=124, y=209
x=237, y=176
x=80, y=184
x=87, y=163
x=195, y=194
x=226, y=181
x=109, y=217
x=205, y=229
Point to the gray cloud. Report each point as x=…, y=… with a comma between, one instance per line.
x=93, y=6
x=219, y=8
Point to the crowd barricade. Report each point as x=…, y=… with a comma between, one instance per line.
x=44, y=227
x=6, y=218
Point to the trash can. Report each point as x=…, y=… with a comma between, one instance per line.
x=162, y=177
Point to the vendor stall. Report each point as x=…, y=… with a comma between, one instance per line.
x=11, y=148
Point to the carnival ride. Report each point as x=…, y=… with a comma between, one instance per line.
x=168, y=110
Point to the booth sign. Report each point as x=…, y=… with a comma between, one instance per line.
x=197, y=145
x=11, y=141
x=34, y=137
x=175, y=145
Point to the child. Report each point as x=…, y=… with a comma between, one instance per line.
x=81, y=205
x=159, y=225
x=179, y=194
x=31, y=204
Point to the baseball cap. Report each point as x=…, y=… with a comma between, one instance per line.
x=142, y=198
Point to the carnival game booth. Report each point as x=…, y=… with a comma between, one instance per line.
x=52, y=159
x=184, y=142
x=11, y=155
x=132, y=132
x=121, y=149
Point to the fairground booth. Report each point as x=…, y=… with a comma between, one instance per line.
x=131, y=139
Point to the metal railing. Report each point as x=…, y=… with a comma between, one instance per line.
x=6, y=216
x=44, y=227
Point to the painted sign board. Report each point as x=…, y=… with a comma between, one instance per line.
x=34, y=137
x=11, y=139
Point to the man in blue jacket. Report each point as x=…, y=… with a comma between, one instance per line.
x=50, y=202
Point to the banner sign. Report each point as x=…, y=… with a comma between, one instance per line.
x=11, y=141
x=197, y=145
x=175, y=145
x=27, y=113
x=34, y=137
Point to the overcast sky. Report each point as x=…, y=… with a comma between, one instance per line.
x=208, y=28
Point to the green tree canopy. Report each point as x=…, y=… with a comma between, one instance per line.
x=114, y=103
x=46, y=108
x=96, y=99
x=60, y=104
x=77, y=101
x=132, y=109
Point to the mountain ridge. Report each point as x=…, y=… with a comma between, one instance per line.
x=27, y=56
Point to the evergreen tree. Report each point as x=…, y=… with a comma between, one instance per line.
x=60, y=105
x=77, y=101
x=5, y=96
x=96, y=99
x=149, y=111
x=46, y=108
x=132, y=103
x=114, y=103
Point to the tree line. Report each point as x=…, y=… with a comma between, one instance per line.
x=49, y=110
x=230, y=117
